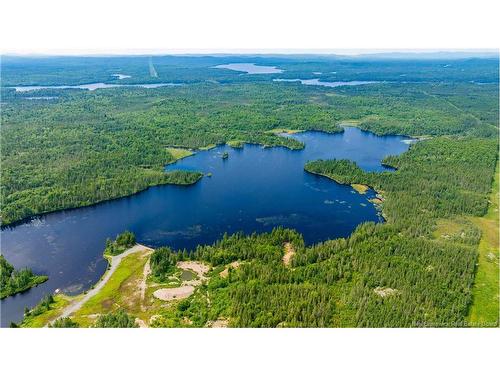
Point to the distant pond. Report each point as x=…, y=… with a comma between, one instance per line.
x=254, y=190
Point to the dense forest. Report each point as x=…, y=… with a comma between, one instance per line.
x=64, y=323
x=71, y=148
x=118, y=319
x=394, y=274
x=16, y=281
x=87, y=147
x=185, y=69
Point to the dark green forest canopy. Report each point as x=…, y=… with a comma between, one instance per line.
x=437, y=178
x=16, y=281
x=86, y=147
x=185, y=69
x=395, y=274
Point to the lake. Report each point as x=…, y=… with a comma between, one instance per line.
x=317, y=82
x=250, y=68
x=121, y=76
x=254, y=189
x=92, y=86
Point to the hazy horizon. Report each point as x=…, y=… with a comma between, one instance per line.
x=196, y=52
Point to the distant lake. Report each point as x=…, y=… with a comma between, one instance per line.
x=41, y=98
x=250, y=68
x=254, y=190
x=121, y=76
x=92, y=86
x=317, y=82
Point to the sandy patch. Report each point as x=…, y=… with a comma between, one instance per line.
x=153, y=318
x=140, y=323
x=92, y=316
x=219, y=323
x=360, y=188
x=142, y=285
x=289, y=252
x=169, y=294
x=225, y=273
x=197, y=267
x=385, y=292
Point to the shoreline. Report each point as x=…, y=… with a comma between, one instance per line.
x=378, y=193
x=38, y=279
x=113, y=262
x=39, y=215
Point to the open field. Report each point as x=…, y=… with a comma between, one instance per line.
x=485, y=305
x=61, y=302
x=179, y=153
x=120, y=290
x=125, y=286
x=360, y=188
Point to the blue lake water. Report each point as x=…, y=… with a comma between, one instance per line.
x=121, y=76
x=93, y=86
x=317, y=82
x=250, y=68
x=255, y=189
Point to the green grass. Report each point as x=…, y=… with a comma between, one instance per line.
x=485, y=306
x=208, y=147
x=284, y=130
x=179, y=153
x=111, y=296
x=235, y=143
x=122, y=291
x=38, y=321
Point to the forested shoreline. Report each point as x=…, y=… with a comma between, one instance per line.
x=396, y=274
x=14, y=281
x=415, y=270
x=89, y=147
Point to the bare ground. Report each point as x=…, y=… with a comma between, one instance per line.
x=385, y=292
x=289, y=252
x=170, y=294
x=225, y=273
x=219, y=323
x=187, y=287
x=142, y=285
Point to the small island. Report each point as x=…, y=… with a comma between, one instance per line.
x=16, y=281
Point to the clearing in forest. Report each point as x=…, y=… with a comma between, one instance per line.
x=485, y=305
x=289, y=252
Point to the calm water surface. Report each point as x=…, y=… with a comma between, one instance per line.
x=317, y=82
x=93, y=86
x=255, y=189
x=121, y=76
x=250, y=68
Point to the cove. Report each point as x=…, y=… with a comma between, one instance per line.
x=254, y=189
